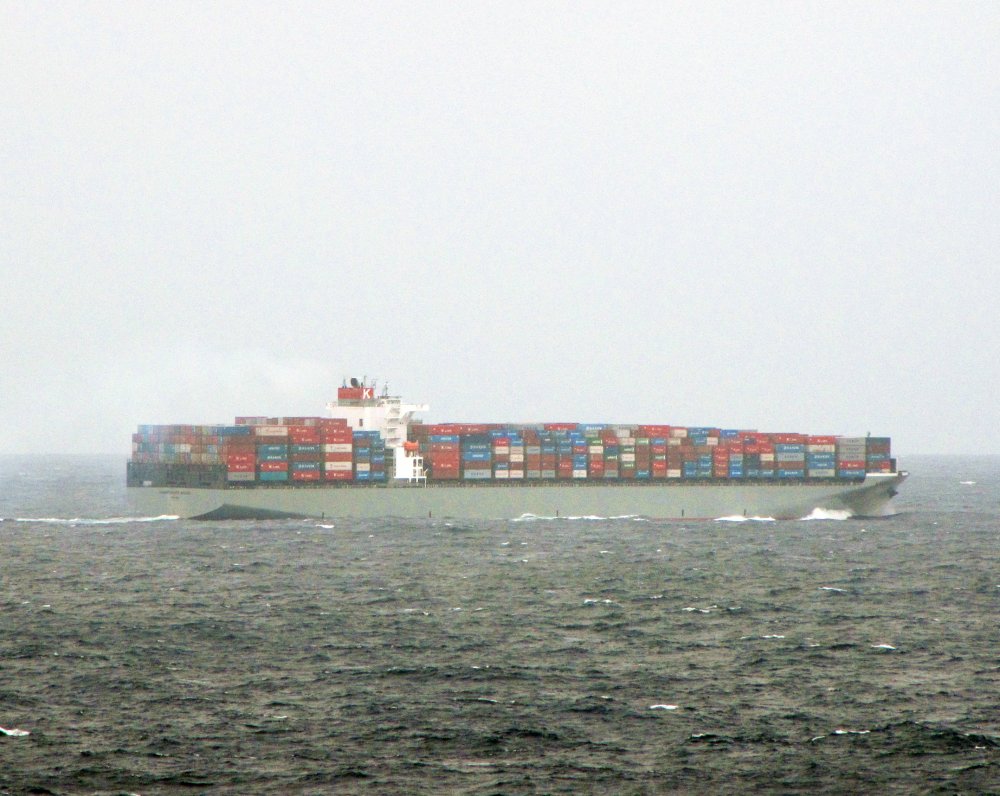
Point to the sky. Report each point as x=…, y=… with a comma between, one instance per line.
x=780, y=216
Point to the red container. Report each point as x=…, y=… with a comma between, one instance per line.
x=560, y=426
x=338, y=475
x=306, y=475
x=654, y=431
x=336, y=457
x=823, y=440
x=240, y=467
x=273, y=467
x=849, y=465
x=328, y=423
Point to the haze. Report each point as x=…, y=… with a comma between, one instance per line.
x=780, y=216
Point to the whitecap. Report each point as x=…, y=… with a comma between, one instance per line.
x=832, y=588
x=92, y=521
x=663, y=707
x=883, y=647
x=328, y=527
x=851, y=732
x=828, y=514
x=741, y=518
x=967, y=483
x=14, y=733
x=772, y=636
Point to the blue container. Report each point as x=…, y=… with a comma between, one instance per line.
x=301, y=467
x=476, y=456
x=853, y=475
x=306, y=449
x=785, y=447
x=363, y=476
x=436, y=437
x=235, y=431
x=501, y=465
x=272, y=457
x=476, y=446
x=379, y=475
x=730, y=433
x=378, y=458
x=272, y=476
x=791, y=473
x=262, y=449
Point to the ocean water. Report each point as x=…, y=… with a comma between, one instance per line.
x=530, y=656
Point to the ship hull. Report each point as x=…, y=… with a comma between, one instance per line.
x=872, y=497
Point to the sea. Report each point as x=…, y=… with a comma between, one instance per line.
x=590, y=655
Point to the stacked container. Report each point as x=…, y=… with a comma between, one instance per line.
x=337, y=449
x=851, y=457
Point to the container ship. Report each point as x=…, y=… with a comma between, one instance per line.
x=372, y=457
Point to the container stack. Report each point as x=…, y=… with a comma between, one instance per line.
x=821, y=457
x=337, y=445
x=477, y=458
x=878, y=455
x=239, y=452
x=306, y=451
x=851, y=457
x=272, y=452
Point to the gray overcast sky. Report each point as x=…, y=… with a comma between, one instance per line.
x=780, y=216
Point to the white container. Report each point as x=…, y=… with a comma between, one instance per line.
x=271, y=431
x=517, y=457
x=501, y=474
x=337, y=466
x=821, y=448
x=501, y=450
x=673, y=473
x=337, y=447
x=362, y=467
x=596, y=449
x=579, y=473
x=241, y=476
x=628, y=457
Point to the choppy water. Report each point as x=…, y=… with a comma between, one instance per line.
x=518, y=657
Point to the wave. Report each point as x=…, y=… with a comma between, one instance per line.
x=740, y=518
x=589, y=517
x=828, y=514
x=93, y=521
